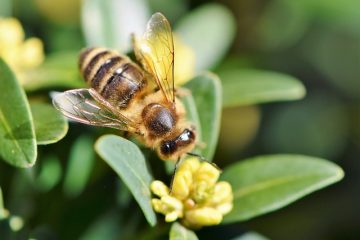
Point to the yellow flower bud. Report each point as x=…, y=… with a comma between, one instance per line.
x=159, y=206
x=20, y=55
x=191, y=164
x=11, y=33
x=181, y=184
x=195, y=197
x=205, y=216
x=208, y=173
x=201, y=192
x=225, y=208
x=222, y=193
x=159, y=188
x=32, y=53
x=172, y=203
x=172, y=216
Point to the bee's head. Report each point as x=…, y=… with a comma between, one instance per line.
x=174, y=148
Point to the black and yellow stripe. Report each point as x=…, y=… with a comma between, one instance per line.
x=112, y=75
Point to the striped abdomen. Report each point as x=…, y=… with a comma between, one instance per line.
x=114, y=76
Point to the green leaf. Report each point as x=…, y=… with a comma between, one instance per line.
x=126, y=159
x=210, y=44
x=178, y=232
x=251, y=86
x=206, y=90
x=17, y=135
x=5, y=8
x=111, y=23
x=267, y=183
x=50, y=125
x=58, y=70
x=251, y=236
x=50, y=174
x=82, y=157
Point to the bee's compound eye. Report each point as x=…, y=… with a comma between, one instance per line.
x=168, y=147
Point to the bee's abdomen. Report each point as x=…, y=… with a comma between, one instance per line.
x=112, y=75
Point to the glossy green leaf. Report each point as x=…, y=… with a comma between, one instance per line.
x=179, y=232
x=251, y=86
x=267, y=183
x=50, y=125
x=210, y=44
x=206, y=90
x=126, y=159
x=111, y=23
x=17, y=134
x=82, y=157
x=58, y=70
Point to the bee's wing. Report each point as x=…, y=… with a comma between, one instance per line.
x=155, y=51
x=88, y=107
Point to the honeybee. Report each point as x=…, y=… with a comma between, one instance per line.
x=139, y=100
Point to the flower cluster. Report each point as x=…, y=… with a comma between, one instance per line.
x=195, y=197
x=19, y=53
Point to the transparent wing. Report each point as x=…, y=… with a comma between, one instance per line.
x=88, y=107
x=155, y=50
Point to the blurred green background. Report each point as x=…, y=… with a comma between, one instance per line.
x=71, y=194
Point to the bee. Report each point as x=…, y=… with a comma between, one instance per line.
x=127, y=97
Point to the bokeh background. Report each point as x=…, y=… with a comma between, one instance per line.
x=316, y=41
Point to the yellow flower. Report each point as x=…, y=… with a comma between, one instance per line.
x=196, y=197
x=19, y=53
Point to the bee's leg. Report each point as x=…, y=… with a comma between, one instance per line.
x=177, y=164
x=182, y=92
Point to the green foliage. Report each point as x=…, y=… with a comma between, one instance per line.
x=58, y=70
x=209, y=43
x=115, y=21
x=251, y=236
x=126, y=159
x=50, y=125
x=251, y=86
x=207, y=96
x=82, y=157
x=178, y=232
x=5, y=8
x=318, y=126
x=17, y=134
x=49, y=175
x=310, y=127
x=267, y=183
